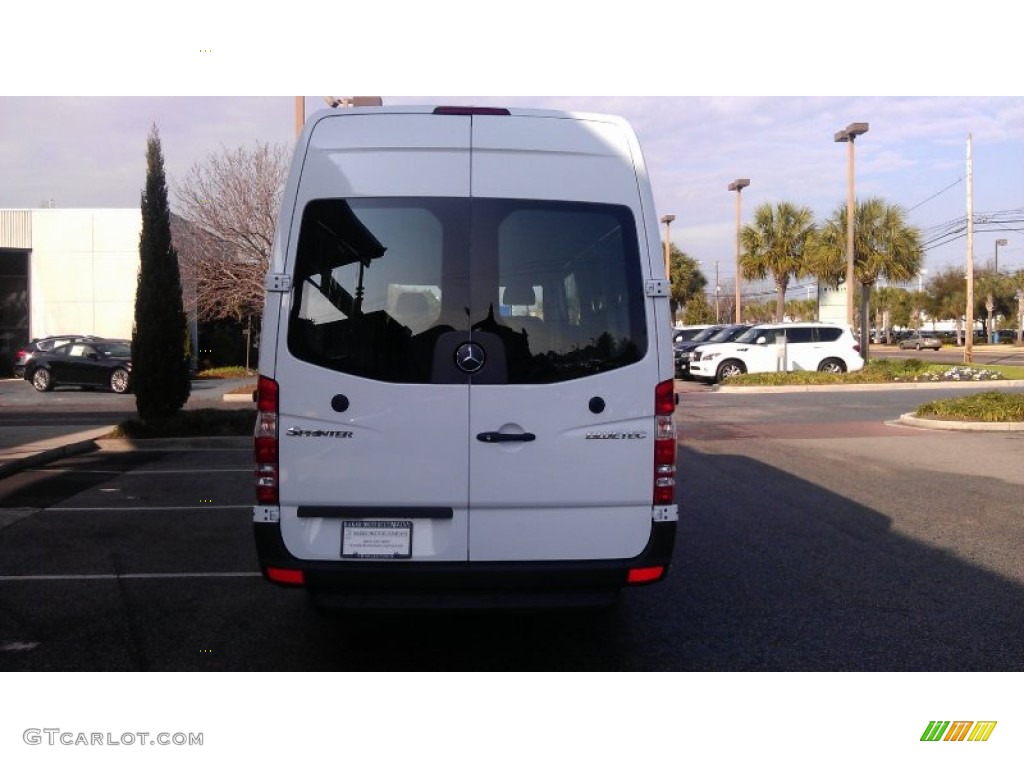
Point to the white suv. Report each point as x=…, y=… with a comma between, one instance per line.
x=779, y=347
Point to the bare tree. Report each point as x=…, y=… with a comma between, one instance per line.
x=228, y=210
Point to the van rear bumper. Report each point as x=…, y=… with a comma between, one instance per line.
x=400, y=585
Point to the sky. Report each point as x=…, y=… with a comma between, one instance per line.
x=83, y=152
x=703, y=118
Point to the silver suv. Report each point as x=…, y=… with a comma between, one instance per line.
x=779, y=347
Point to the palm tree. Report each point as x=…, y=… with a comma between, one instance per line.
x=802, y=310
x=775, y=244
x=890, y=302
x=885, y=246
x=758, y=312
x=946, y=297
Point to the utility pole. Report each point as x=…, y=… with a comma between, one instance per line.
x=969, y=338
x=737, y=187
x=300, y=114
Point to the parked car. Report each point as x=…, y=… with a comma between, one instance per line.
x=91, y=363
x=686, y=333
x=713, y=334
x=779, y=346
x=921, y=341
x=43, y=345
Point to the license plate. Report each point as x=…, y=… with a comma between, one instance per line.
x=376, y=539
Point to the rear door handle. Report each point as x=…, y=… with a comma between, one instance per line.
x=502, y=437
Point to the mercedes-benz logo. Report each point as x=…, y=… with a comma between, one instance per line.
x=470, y=357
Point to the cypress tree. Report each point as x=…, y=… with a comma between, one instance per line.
x=160, y=370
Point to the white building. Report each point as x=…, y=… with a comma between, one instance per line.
x=66, y=271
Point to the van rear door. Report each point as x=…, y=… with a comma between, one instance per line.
x=561, y=448
x=368, y=439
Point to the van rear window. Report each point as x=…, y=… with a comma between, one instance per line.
x=387, y=288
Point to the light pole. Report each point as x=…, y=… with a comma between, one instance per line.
x=737, y=187
x=851, y=132
x=667, y=220
x=1000, y=241
x=992, y=321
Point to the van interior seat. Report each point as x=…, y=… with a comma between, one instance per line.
x=413, y=311
x=520, y=295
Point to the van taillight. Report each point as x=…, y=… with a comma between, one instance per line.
x=664, y=443
x=645, y=575
x=266, y=441
x=286, y=576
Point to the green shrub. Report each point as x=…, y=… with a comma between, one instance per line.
x=984, y=406
x=229, y=372
x=875, y=372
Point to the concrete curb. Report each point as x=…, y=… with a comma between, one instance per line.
x=122, y=444
x=910, y=420
x=940, y=385
x=14, y=466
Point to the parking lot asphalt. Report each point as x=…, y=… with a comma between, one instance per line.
x=797, y=550
x=24, y=447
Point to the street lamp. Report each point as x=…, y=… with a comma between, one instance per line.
x=852, y=131
x=995, y=333
x=667, y=220
x=1000, y=241
x=737, y=187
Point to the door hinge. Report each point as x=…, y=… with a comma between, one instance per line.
x=278, y=283
x=659, y=287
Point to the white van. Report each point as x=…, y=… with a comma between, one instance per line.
x=466, y=385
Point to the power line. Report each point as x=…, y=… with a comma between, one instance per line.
x=945, y=189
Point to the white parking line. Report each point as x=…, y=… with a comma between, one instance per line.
x=146, y=509
x=117, y=576
x=71, y=471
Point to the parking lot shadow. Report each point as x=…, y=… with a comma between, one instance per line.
x=783, y=574
x=42, y=488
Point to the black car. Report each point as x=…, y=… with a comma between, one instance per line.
x=90, y=363
x=710, y=335
x=44, y=345
x=686, y=333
